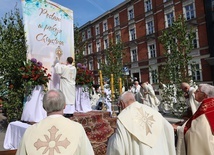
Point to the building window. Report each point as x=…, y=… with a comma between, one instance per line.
x=89, y=33
x=97, y=31
x=98, y=46
x=117, y=37
x=89, y=48
x=98, y=63
x=116, y=21
x=134, y=55
x=169, y=19
x=148, y=5
x=189, y=11
x=105, y=26
x=90, y=65
x=131, y=13
x=153, y=76
x=150, y=27
x=83, y=36
x=152, y=50
x=132, y=34
x=195, y=40
x=105, y=43
x=196, y=72
x=84, y=51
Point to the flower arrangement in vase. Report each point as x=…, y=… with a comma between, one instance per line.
x=84, y=76
x=34, y=74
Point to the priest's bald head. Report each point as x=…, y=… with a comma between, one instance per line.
x=126, y=99
x=54, y=101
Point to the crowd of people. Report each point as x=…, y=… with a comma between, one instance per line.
x=141, y=129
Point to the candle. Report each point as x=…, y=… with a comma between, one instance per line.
x=120, y=86
x=101, y=81
x=112, y=84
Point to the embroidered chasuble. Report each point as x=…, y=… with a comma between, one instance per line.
x=141, y=130
x=55, y=136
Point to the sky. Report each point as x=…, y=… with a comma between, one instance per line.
x=84, y=10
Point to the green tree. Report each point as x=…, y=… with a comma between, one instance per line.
x=12, y=54
x=113, y=64
x=79, y=46
x=177, y=41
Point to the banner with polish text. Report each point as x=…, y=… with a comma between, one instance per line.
x=49, y=31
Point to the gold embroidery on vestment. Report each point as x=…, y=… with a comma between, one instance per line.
x=52, y=143
x=145, y=120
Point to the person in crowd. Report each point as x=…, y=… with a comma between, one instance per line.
x=149, y=98
x=195, y=136
x=55, y=134
x=67, y=74
x=189, y=94
x=136, y=87
x=140, y=130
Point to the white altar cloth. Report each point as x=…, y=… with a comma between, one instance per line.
x=14, y=133
x=83, y=103
x=33, y=110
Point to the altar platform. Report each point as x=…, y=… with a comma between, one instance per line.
x=99, y=126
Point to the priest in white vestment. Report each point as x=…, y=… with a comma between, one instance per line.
x=55, y=135
x=141, y=130
x=190, y=96
x=67, y=74
x=149, y=97
x=195, y=136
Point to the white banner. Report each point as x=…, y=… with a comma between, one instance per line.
x=48, y=26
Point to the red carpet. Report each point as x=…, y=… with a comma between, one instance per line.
x=99, y=126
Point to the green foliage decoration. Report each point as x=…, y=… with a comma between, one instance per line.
x=12, y=54
x=177, y=41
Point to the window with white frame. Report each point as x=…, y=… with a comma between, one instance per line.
x=89, y=33
x=131, y=13
x=98, y=63
x=105, y=43
x=134, y=55
x=196, y=72
x=90, y=65
x=84, y=51
x=195, y=39
x=150, y=26
x=90, y=48
x=116, y=20
x=152, y=50
x=83, y=36
x=117, y=37
x=169, y=17
x=132, y=34
x=153, y=76
x=97, y=30
x=105, y=26
x=98, y=45
x=148, y=5
x=189, y=11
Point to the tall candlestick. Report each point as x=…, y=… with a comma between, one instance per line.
x=112, y=84
x=101, y=81
x=120, y=86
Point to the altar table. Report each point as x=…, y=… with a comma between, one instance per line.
x=14, y=133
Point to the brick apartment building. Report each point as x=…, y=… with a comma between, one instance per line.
x=138, y=23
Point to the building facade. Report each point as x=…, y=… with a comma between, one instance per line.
x=138, y=24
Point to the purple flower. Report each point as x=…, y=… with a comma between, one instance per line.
x=83, y=67
x=79, y=65
x=33, y=60
x=39, y=64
